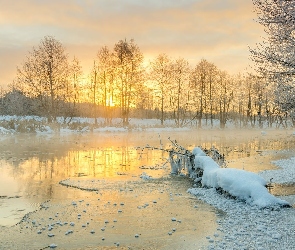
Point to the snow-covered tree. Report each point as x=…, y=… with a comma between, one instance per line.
x=275, y=56
x=15, y=102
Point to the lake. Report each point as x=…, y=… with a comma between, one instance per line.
x=108, y=203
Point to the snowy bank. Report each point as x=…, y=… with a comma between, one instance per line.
x=241, y=184
x=284, y=175
x=246, y=226
x=4, y=131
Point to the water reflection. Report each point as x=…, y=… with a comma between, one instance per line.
x=32, y=166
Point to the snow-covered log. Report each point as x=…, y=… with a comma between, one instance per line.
x=241, y=184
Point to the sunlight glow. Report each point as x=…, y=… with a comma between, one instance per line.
x=110, y=102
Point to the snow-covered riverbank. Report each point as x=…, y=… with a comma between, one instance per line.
x=256, y=219
x=74, y=125
x=248, y=227
x=284, y=175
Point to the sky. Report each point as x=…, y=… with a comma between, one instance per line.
x=219, y=31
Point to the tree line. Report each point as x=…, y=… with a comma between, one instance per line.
x=48, y=83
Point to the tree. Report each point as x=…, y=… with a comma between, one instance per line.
x=275, y=57
x=203, y=80
x=72, y=92
x=44, y=75
x=224, y=96
x=161, y=74
x=93, y=87
x=15, y=102
x=128, y=60
x=106, y=71
x=179, y=91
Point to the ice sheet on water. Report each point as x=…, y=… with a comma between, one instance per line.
x=94, y=184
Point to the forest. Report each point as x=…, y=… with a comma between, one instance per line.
x=121, y=84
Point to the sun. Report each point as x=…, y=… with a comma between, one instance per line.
x=110, y=102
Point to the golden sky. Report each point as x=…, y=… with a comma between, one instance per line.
x=217, y=30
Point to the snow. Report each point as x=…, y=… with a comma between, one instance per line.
x=166, y=129
x=4, y=131
x=248, y=227
x=241, y=184
x=44, y=130
x=82, y=125
x=74, y=125
x=284, y=175
x=110, y=129
x=198, y=152
x=145, y=176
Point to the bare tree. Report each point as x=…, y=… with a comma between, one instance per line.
x=44, y=75
x=203, y=83
x=72, y=92
x=161, y=74
x=129, y=71
x=93, y=90
x=106, y=71
x=225, y=95
x=179, y=90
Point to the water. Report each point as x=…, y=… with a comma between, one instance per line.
x=31, y=168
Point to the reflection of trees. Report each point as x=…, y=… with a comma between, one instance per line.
x=102, y=162
x=240, y=148
x=39, y=164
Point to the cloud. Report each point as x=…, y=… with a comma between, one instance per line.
x=220, y=30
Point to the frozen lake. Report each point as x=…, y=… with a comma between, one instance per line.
x=108, y=197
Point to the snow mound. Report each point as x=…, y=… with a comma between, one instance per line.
x=284, y=175
x=198, y=152
x=241, y=184
x=145, y=176
x=43, y=130
x=167, y=129
x=4, y=131
x=110, y=129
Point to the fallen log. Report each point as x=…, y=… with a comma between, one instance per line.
x=208, y=167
